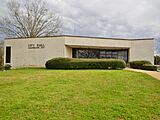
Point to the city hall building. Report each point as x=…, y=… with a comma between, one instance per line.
x=34, y=52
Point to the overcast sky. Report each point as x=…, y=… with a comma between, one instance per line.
x=107, y=18
x=110, y=18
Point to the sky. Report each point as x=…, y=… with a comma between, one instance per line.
x=110, y=18
x=106, y=18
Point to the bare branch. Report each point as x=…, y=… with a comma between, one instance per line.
x=30, y=19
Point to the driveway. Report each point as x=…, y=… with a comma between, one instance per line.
x=154, y=74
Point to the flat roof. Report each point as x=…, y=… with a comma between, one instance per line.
x=85, y=37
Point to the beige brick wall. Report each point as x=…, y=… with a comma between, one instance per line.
x=68, y=51
x=21, y=56
x=93, y=42
x=142, y=50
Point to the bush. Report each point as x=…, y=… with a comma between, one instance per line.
x=1, y=57
x=73, y=63
x=138, y=64
x=1, y=68
x=1, y=61
x=157, y=60
x=149, y=67
x=7, y=67
x=145, y=65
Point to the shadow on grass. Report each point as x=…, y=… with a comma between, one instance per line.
x=43, y=68
x=26, y=68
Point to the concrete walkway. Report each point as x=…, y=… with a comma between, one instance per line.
x=151, y=73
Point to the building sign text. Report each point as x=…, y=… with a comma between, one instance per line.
x=36, y=46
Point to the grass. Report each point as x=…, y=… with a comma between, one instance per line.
x=78, y=95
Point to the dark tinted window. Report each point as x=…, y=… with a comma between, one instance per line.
x=8, y=54
x=100, y=53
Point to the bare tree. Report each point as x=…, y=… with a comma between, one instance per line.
x=29, y=18
x=1, y=53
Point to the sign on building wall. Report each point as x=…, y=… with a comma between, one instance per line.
x=36, y=46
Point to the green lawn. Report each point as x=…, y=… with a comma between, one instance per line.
x=78, y=94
